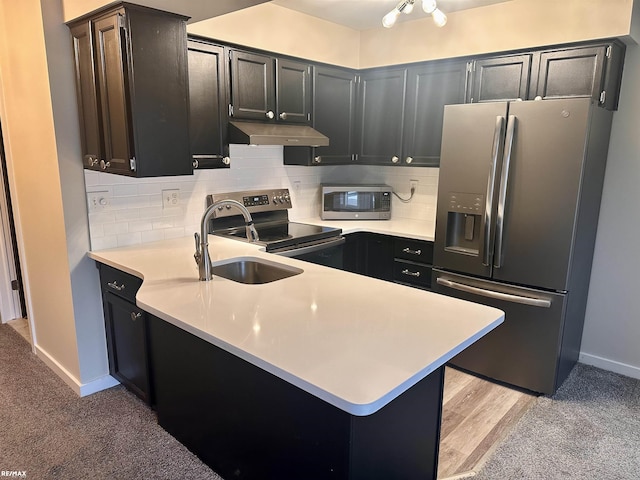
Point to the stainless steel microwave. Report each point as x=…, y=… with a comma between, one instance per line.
x=356, y=202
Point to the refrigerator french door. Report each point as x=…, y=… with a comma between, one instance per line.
x=518, y=200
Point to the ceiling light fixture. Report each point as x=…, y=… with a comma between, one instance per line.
x=406, y=6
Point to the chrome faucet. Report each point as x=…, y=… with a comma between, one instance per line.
x=203, y=259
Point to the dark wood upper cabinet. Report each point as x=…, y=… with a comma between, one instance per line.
x=592, y=71
x=500, y=78
x=381, y=114
x=430, y=88
x=252, y=86
x=86, y=92
x=207, y=105
x=293, y=91
x=334, y=98
x=132, y=88
x=269, y=88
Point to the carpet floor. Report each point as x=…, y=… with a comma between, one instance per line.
x=589, y=430
x=49, y=432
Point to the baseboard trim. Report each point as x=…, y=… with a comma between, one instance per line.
x=610, y=365
x=82, y=390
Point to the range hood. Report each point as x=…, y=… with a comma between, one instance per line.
x=255, y=133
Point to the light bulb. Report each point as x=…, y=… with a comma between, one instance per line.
x=408, y=8
x=439, y=18
x=390, y=18
x=429, y=6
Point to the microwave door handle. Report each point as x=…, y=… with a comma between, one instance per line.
x=498, y=133
x=502, y=196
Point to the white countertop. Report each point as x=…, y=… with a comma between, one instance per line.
x=353, y=341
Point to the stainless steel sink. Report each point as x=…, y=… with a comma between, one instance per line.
x=251, y=270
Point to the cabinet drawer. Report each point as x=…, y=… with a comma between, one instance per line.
x=414, y=250
x=413, y=273
x=119, y=283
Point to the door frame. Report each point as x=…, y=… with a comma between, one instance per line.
x=10, y=302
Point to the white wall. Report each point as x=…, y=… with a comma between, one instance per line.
x=612, y=324
x=135, y=213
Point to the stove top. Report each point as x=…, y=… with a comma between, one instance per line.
x=268, y=209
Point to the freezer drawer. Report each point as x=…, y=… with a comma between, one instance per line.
x=524, y=351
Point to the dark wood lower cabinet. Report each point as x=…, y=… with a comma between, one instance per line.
x=246, y=423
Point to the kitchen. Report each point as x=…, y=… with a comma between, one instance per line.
x=69, y=344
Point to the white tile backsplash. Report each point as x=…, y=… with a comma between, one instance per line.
x=136, y=215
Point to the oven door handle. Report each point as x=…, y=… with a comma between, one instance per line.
x=316, y=247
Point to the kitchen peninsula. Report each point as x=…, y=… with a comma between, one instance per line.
x=324, y=374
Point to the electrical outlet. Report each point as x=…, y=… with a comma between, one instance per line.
x=170, y=198
x=414, y=184
x=296, y=185
x=98, y=200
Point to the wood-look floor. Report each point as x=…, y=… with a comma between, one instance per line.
x=21, y=326
x=476, y=415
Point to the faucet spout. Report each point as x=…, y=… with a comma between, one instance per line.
x=202, y=257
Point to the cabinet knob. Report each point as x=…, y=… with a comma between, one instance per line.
x=270, y=114
x=92, y=161
x=195, y=163
x=135, y=316
x=395, y=159
x=283, y=116
x=104, y=165
x=408, y=159
x=226, y=160
x=317, y=159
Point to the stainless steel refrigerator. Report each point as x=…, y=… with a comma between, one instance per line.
x=518, y=201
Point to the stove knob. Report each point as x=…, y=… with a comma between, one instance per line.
x=280, y=199
x=220, y=208
x=228, y=207
x=275, y=199
x=287, y=198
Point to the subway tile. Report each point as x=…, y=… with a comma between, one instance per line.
x=115, y=228
x=126, y=239
x=151, y=236
x=103, y=243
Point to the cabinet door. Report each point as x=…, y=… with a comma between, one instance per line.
x=430, y=88
x=127, y=345
x=334, y=113
x=381, y=116
x=379, y=256
x=293, y=94
x=90, y=137
x=252, y=86
x=207, y=104
x=575, y=72
x=110, y=44
x=500, y=78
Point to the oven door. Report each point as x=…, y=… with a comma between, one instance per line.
x=329, y=253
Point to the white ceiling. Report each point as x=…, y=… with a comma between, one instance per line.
x=365, y=14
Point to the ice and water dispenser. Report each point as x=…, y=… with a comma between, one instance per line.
x=464, y=221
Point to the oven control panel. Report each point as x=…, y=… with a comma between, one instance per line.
x=267, y=200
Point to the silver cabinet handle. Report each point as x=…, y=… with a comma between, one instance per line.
x=408, y=159
x=491, y=187
x=270, y=114
x=412, y=252
x=92, y=161
x=532, y=301
x=135, y=316
x=395, y=159
x=104, y=165
x=411, y=274
x=317, y=159
x=502, y=198
x=226, y=160
x=115, y=286
x=283, y=116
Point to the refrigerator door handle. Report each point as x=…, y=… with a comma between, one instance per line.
x=502, y=197
x=534, y=302
x=491, y=187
